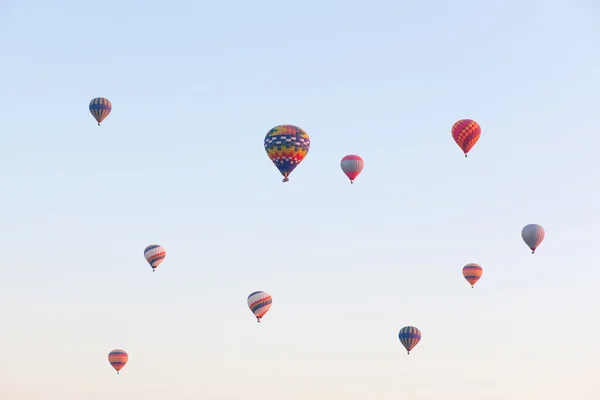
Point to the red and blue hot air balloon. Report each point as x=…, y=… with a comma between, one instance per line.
x=118, y=358
x=409, y=337
x=472, y=273
x=100, y=108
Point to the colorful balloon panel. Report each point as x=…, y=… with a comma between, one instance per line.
x=466, y=133
x=155, y=254
x=352, y=165
x=259, y=303
x=533, y=235
x=100, y=108
x=409, y=337
x=287, y=146
x=118, y=358
x=472, y=273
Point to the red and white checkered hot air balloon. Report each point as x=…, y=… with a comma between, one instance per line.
x=352, y=165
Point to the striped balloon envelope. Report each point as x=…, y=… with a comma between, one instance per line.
x=259, y=303
x=409, y=337
x=100, y=108
x=287, y=146
x=472, y=273
x=533, y=235
x=466, y=133
x=352, y=165
x=155, y=254
x=118, y=358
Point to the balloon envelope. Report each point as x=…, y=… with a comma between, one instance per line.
x=533, y=235
x=466, y=133
x=472, y=273
x=100, y=108
x=409, y=337
x=352, y=165
x=259, y=303
x=154, y=254
x=287, y=146
x=118, y=358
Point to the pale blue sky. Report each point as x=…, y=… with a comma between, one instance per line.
x=180, y=162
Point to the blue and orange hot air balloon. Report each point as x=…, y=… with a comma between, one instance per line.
x=287, y=146
x=259, y=303
x=409, y=337
x=100, y=108
x=466, y=133
x=472, y=273
x=154, y=254
x=118, y=358
x=352, y=165
x=533, y=235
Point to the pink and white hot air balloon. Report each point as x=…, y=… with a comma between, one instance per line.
x=352, y=165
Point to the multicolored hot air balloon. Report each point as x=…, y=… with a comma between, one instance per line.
x=259, y=303
x=352, y=165
x=533, y=235
x=100, y=108
x=409, y=337
x=472, y=273
x=155, y=254
x=287, y=146
x=466, y=133
x=118, y=358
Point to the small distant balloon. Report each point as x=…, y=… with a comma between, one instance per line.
x=409, y=337
x=118, y=358
x=100, y=108
x=472, y=273
x=466, y=133
x=533, y=235
x=259, y=303
x=154, y=254
x=287, y=146
x=352, y=165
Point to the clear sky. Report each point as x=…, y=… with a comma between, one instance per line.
x=195, y=86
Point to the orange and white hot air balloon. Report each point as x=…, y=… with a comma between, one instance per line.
x=472, y=273
x=118, y=358
x=352, y=165
x=466, y=133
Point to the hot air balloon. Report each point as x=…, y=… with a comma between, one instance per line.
x=533, y=235
x=287, y=146
x=472, y=273
x=466, y=133
x=352, y=165
x=155, y=254
x=118, y=358
x=100, y=108
x=259, y=303
x=409, y=337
